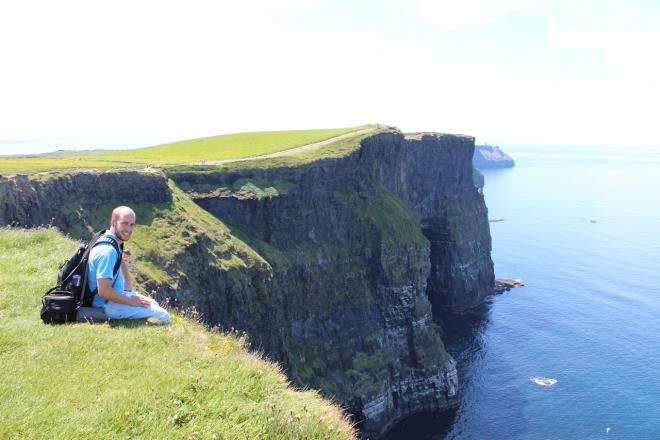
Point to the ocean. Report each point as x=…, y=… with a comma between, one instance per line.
x=581, y=228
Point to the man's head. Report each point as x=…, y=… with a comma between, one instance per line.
x=122, y=222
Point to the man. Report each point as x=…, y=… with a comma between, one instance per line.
x=115, y=292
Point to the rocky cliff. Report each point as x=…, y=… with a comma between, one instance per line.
x=330, y=267
x=489, y=157
x=61, y=200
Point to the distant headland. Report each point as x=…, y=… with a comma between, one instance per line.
x=488, y=157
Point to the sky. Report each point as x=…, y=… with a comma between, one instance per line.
x=91, y=74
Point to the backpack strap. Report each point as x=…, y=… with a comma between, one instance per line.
x=98, y=238
x=115, y=244
x=83, y=260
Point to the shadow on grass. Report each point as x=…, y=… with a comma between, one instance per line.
x=134, y=323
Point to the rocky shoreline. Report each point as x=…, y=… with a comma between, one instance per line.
x=506, y=284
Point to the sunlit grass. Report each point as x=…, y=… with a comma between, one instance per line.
x=229, y=146
x=28, y=165
x=133, y=379
x=208, y=149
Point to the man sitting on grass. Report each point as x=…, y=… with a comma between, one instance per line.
x=115, y=293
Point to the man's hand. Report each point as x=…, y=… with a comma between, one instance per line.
x=107, y=292
x=139, y=301
x=128, y=281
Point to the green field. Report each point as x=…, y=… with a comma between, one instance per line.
x=134, y=379
x=194, y=151
x=340, y=148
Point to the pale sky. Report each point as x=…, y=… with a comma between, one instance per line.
x=86, y=74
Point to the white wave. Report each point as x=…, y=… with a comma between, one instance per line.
x=543, y=381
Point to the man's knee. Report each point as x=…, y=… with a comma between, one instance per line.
x=164, y=317
x=160, y=313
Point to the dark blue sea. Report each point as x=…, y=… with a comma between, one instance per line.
x=581, y=228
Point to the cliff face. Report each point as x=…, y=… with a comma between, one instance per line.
x=329, y=266
x=364, y=242
x=65, y=201
x=489, y=157
x=434, y=178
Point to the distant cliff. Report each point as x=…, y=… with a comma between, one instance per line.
x=489, y=157
x=331, y=267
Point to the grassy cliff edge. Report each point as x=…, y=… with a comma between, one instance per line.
x=223, y=148
x=133, y=379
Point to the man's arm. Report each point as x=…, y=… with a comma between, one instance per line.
x=128, y=282
x=108, y=293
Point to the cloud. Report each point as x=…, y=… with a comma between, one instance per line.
x=133, y=70
x=105, y=73
x=449, y=15
x=630, y=52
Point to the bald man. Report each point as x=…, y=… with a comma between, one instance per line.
x=114, y=292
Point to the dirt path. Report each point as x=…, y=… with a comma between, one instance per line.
x=290, y=151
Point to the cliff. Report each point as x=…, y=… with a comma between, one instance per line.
x=331, y=267
x=489, y=157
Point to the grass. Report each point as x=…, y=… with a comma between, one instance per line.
x=338, y=149
x=10, y=166
x=385, y=210
x=133, y=379
x=214, y=148
x=229, y=146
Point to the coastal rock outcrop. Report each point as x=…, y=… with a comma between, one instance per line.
x=489, y=157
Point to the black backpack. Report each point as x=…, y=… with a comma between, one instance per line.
x=60, y=303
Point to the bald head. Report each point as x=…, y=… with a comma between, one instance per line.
x=122, y=222
x=119, y=211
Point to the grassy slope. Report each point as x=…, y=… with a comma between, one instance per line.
x=230, y=146
x=341, y=148
x=28, y=165
x=165, y=230
x=130, y=378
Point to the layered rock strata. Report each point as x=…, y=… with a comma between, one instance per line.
x=332, y=265
x=68, y=201
x=374, y=235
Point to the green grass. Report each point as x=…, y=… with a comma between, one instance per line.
x=10, y=166
x=396, y=224
x=338, y=149
x=214, y=148
x=133, y=379
x=229, y=146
